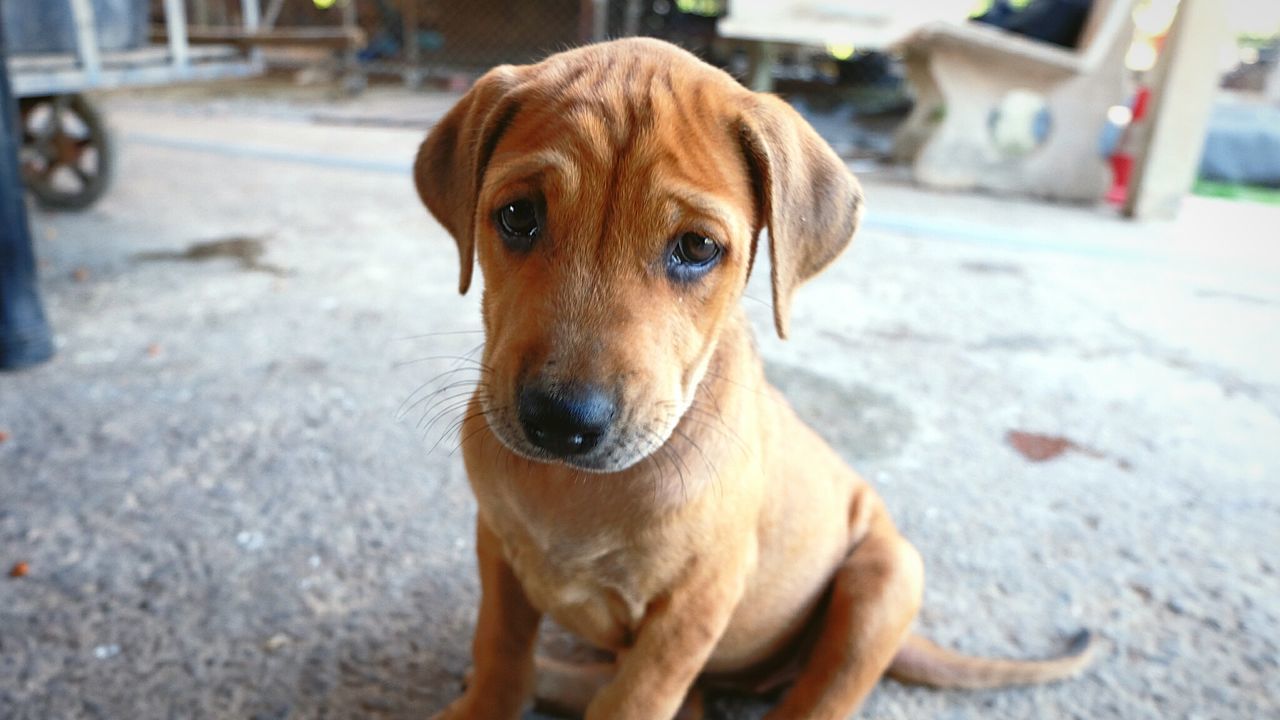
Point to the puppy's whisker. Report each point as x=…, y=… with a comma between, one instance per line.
x=755, y=388
x=456, y=426
x=481, y=372
x=658, y=456
x=417, y=397
x=437, y=334
x=462, y=441
x=456, y=358
x=705, y=461
x=446, y=405
x=705, y=418
x=715, y=410
x=456, y=368
x=429, y=419
x=664, y=450
x=716, y=434
x=715, y=423
x=429, y=396
x=401, y=410
x=438, y=399
x=692, y=443
x=679, y=456
x=482, y=413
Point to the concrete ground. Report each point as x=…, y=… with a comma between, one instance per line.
x=227, y=511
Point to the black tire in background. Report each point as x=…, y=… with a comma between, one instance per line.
x=67, y=153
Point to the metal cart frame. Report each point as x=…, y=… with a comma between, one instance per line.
x=61, y=128
x=89, y=68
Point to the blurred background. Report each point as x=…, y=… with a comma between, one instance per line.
x=235, y=356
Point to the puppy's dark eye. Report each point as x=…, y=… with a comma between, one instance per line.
x=519, y=221
x=693, y=254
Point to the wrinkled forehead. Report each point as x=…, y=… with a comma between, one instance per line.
x=590, y=136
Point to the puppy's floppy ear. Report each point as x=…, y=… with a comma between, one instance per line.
x=451, y=162
x=805, y=195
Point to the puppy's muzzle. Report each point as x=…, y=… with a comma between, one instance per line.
x=565, y=421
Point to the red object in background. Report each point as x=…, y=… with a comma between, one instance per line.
x=1141, y=99
x=1121, y=171
x=1122, y=158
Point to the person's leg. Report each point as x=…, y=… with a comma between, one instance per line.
x=24, y=334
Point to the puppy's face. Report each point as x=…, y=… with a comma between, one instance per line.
x=616, y=202
x=614, y=232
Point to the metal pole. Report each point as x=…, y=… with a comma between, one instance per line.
x=599, y=20
x=175, y=20
x=273, y=14
x=763, y=55
x=353, y=78
x=25, y=338
x=252, y=12
x=87, y=39
x=252, y=17
x=586, y=21
x=631, y=20
x=409, y=18
x=200, y=11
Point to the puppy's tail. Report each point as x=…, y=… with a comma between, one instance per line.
x=922, y=662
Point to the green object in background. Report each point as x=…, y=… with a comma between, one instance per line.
x=980, y=7
x=1246, y=193
x=705, y=8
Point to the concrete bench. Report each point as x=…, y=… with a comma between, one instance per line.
x=962, y=73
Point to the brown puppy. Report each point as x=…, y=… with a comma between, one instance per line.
x=637, y=478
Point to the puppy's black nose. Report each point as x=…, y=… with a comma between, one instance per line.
x=565, y=421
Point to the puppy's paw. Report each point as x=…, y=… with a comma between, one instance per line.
x=472, y=707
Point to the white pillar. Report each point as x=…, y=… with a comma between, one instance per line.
x=1183, y=89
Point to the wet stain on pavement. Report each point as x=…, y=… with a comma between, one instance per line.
x=992, y=268
x=247, y=251
x=860, y=422
x=1236, y=296
x=1039, y=448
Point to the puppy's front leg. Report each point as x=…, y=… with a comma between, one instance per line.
x=675, y=638
x=501, y=685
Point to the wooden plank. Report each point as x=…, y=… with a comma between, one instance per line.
x=57, y=82
x=339, y=38
x=139, y=57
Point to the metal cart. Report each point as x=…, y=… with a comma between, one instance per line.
x=66, y=152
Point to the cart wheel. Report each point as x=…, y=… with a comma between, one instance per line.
x=66, y=151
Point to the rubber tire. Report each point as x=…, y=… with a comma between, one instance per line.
x=100, y=139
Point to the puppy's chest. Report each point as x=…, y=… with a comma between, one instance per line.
x=596, y=584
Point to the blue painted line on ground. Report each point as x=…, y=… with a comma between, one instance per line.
x=995, y=236
x=922, y=225
x=264, y=152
